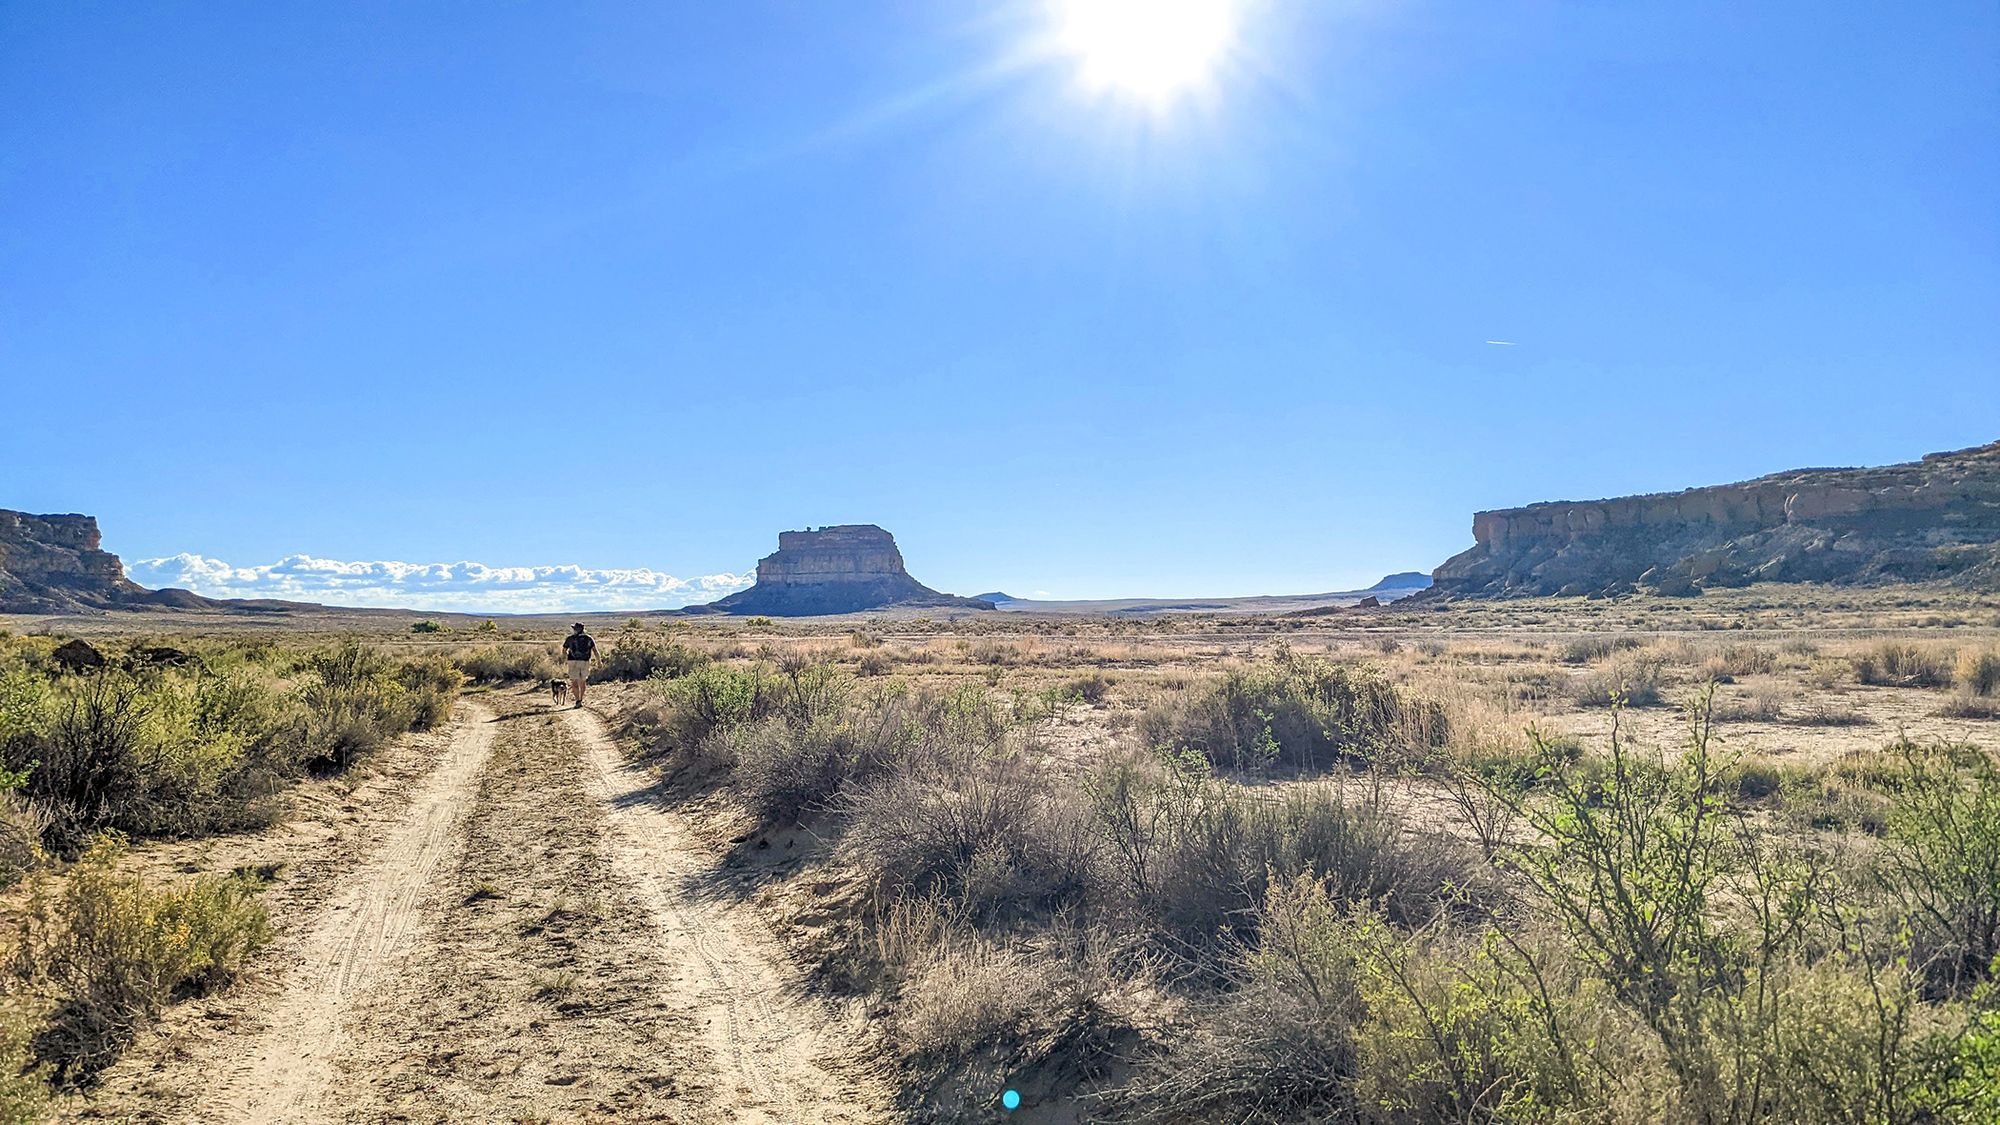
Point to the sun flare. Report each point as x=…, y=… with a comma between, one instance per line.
x=1152, y=50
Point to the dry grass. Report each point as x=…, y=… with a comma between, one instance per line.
x=1904, y=664
x=1019, y=892
x=1977, y=671
x=1004, y=864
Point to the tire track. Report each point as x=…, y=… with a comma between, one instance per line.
x=369, y=924
x=780, y=1056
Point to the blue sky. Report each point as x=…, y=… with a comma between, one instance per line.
x=632, y=287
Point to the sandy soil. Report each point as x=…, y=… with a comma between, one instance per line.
x=504, y=925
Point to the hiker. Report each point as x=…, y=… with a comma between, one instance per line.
x=578, y=647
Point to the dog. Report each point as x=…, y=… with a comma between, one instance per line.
x=559, y=689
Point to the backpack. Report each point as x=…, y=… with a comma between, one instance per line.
x=579, y=646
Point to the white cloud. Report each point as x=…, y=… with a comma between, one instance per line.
x=461, y=587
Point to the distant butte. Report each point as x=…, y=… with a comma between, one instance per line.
x=1937, y=519
x=829, y=570
x=57, y=564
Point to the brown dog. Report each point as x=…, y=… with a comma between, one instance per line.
x=559, y=689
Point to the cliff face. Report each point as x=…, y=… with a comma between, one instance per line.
x=57, y=564
x=841, y=569
x=1938, y=518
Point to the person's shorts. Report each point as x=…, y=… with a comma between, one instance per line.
x=579, y=669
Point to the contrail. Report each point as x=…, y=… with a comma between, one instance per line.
x=1503, y=343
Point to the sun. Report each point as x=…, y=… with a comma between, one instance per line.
x=1152, y=50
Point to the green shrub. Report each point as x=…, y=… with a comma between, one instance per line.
x=495, y=664
x=1737, y=661
x=164, y=752
x=1334, y=1014
x=1757, y=779
x=22, y=824
x=221, y=753
x=783, y=771
x=1969, y=1091
x=1897, y=664
x=1855, y=1042
x=1632, y=683
x=350, y=709
x=86, y=764
x=433, y=683
x=110, y=950
x=1828, y=799
x=1682, y=917
x=1591, y=649
x=1491, y=1027
x=713, y=698
x=24, y=711
x=634, y=658
x=1282, y=1046
x=1978, y=673
x=1091, y=688
x=426, y=627
x=1193, y=856
x=1942, y=862
x=977, y=828
x=24, y=1091
x=1295, y=711
x=355, y=700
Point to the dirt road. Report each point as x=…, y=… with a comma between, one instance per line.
x=518, y=931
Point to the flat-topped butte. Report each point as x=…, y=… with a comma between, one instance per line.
x=847, y=568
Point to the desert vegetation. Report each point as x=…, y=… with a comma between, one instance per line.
x=194, y=743
x=1524, y=863
x=1395, y=880
x=147, y=741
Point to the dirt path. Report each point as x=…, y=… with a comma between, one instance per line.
x=367, y=926
x=782, y=1058
x=526, y=935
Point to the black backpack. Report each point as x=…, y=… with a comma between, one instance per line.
x=579, y=646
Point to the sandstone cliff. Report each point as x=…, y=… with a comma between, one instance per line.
x=1934, y=519
x=57, y=564
x=841, y=569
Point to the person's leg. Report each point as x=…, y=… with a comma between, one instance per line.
x=576, y=691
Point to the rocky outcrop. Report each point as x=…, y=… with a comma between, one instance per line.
x=77, y=656
x=1934, y=519
x=827, y=570
x=1401, y=582
x=57, y=564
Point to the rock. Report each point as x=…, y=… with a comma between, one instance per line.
x=160, y=656
x=56, y=564
x=844, y=569
x=77, y=656
x=1403, y=580
x=1369, y=602
x=1934, y=519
